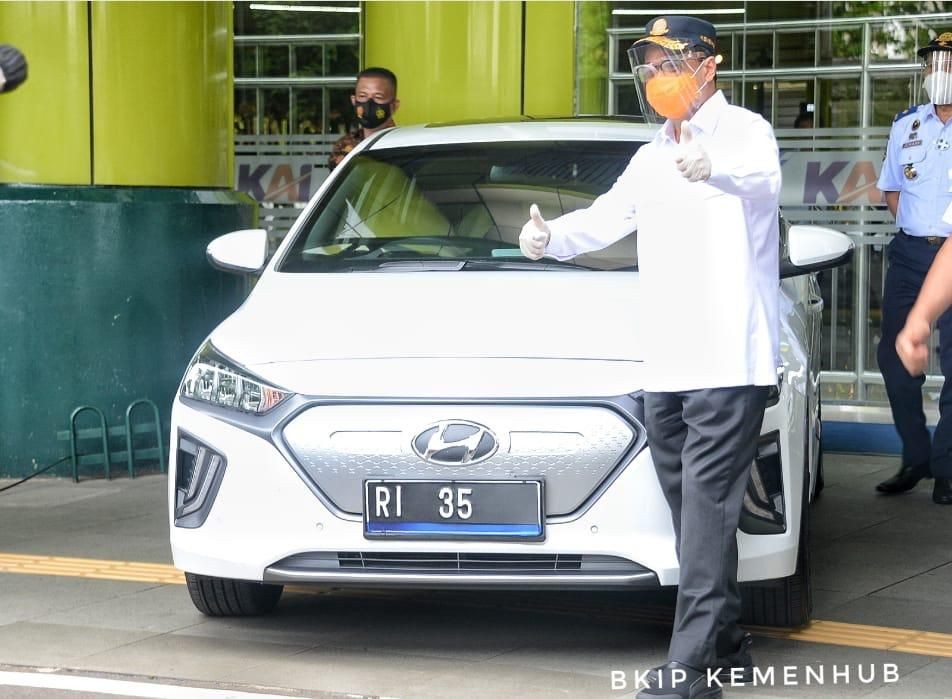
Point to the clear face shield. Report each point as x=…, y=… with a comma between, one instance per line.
x=937, y=76
x=668, y=81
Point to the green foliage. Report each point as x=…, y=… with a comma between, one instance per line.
x=592, y=51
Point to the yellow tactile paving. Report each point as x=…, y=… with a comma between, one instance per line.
x=827, y=632
x=99, y=569
x=862, y=636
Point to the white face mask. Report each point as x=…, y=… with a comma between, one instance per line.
x=938, y=86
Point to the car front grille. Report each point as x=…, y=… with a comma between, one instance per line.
x=573, y=448
x=423, y=564
x=459, y=561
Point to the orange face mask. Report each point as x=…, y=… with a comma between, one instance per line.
x=672, y=96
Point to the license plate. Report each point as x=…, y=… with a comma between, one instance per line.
x=454, y=509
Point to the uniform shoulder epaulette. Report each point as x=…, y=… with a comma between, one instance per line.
x=906, y=112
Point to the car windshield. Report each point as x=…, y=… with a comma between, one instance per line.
x=458, y=207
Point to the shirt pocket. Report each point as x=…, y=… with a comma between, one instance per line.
x=914, y=166
x=913, y=154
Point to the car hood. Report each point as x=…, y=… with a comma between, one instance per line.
x=434, y=334
x=553, y=315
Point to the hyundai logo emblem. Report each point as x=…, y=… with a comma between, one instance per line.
x=455, y=443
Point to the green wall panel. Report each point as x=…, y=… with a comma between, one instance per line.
x=550, y=58
x=44, y=124
x=105, y=294
x=162, y=87
x=453, y=60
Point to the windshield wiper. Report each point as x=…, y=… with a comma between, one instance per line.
x=378, y=265
x=421, y=266
x=521, y=266
x=444, y=265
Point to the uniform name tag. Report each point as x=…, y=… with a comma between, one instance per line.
x=910, y=144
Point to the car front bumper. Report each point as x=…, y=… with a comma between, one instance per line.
x=266, y=524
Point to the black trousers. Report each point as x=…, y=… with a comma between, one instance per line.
x=703, y=444
x=909, y=262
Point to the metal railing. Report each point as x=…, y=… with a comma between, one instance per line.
x=281, y=173
x=293, y=82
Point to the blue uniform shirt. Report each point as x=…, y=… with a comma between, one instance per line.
x=918, y=165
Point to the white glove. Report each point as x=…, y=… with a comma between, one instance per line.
x=693, y=161
x=535, y=235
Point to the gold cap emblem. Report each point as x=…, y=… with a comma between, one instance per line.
x=659, y=28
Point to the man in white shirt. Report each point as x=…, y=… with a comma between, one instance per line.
x=703, y=195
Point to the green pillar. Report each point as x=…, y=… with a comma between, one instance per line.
x=475, y=60
x=162, y=93
x=453, y=60
x=591, y=74
x=44, y=123
x=118, y=161
x=549, y=58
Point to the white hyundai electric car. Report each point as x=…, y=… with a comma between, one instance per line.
x=381, y=412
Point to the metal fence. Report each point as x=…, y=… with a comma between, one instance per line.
x=281, y=173
x=830, y=180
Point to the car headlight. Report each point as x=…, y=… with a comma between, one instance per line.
x=211, y=378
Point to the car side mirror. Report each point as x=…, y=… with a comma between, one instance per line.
x=813, y=248
x=243, y=252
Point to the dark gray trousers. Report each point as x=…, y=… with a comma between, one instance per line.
x=703, y=444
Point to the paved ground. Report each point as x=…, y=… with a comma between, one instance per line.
x=879, y=562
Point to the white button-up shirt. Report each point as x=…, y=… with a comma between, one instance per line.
x=708, y=252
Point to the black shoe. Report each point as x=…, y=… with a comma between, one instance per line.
x=737, y=667
x=693, y=683
x=942, y=491
x=907, y=479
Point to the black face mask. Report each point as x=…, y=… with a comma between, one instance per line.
x=371, y=114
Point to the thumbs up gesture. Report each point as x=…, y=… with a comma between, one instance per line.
x=535, y=235
x=693, y=161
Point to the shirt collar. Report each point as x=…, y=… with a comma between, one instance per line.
x=705, y=118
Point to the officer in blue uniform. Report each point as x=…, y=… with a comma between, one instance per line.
x=917, y=183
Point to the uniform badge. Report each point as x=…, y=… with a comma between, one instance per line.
x=942, y=144
x=910, y=172
x=915, y=125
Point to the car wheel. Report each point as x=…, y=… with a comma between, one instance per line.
x=226, y=597
x=787, y=602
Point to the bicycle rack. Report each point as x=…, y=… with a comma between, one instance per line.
x=144, y=428
x=130, y=455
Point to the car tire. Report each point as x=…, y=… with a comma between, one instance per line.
x=226, y=597
x=787, y=602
